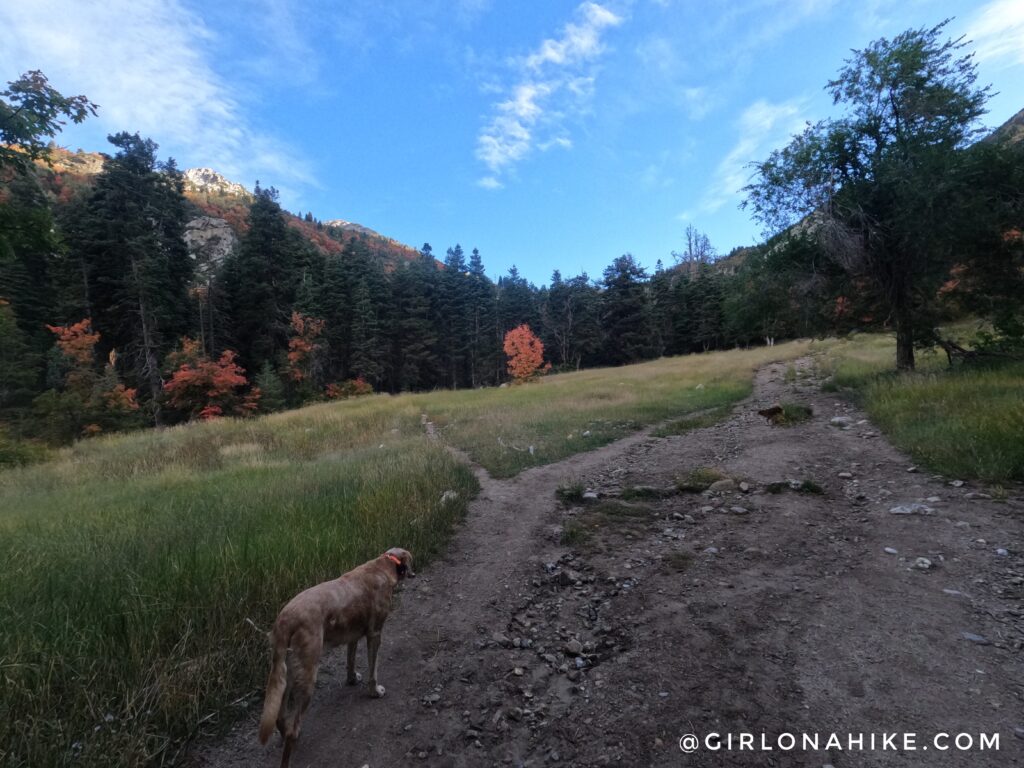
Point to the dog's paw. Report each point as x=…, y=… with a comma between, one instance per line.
x=377, y=691
x=354, y=679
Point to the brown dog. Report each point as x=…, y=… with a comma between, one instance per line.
x=327, y=615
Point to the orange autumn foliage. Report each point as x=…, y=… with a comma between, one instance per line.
x=302, y=346
x=205, y=388
x=76, y=341
x=525, y=353
x=346, y=389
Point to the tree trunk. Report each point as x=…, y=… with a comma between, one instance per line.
x=904, y=336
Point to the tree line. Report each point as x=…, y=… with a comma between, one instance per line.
x=891, y=216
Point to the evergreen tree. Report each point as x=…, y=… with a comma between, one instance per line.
x=570, y=315
x=456, y=317
x=625, y=312
x=483, y=323
x=259, y=283
x=138, y=268
x=272, y=390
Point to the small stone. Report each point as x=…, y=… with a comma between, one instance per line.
x=738, y=510
x=1002, y=552
x=841, y=421
x=1018, y=731
x=933, y=499
x=586, y=433
x=745, y=487
x=976, y=639
x=911, y=469
x=911, y=509
x=923, y=564
x=975, y=495
x=574, y=647
x=845, y=475
x=590, y=496
x=722, y=486
x=448, y=496
x=517, y=671
x=891, y=551
x=956, y=483
x=500, y=639
x=515, y=714
x=689, y=520
x=711, y=551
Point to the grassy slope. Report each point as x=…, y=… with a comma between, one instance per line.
x=965, y=422
x=130, y=564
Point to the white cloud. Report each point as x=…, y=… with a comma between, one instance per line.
x=997, y=32
x=552, y=80
x=489, y=182
x=579, y=42
x=145, y=63
x=763, y=126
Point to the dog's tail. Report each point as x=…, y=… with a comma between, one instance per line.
x=276, y=684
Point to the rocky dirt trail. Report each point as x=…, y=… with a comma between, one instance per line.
x=599, y=631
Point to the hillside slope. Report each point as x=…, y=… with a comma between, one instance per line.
x=221, y=210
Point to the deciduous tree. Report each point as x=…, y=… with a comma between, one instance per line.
x=878, y=183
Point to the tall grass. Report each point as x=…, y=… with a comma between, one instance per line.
x=129, y=565
x=123, y=602
x=966, y=422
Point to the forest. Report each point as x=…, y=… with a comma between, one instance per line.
x=892, y=219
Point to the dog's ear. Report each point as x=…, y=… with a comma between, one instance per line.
x=403, y=566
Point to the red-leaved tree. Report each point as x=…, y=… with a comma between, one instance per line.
x=205, y=388
x=525, y=353
x=86, y=402
x=303, y=347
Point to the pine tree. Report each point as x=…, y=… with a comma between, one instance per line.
x=138, y=267
x=625, y=312
x=483, y=323
x=260, y=282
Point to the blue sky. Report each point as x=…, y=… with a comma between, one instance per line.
x=547, y=134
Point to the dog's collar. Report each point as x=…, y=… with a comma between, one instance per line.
x=393, y=559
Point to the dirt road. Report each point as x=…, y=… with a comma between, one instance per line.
x=733, y=611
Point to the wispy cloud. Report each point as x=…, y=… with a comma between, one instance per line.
x=147, y=64
x=552, y=80
x=763, y=126
x=997, y=31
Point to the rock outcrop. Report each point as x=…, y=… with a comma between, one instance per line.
x=209, y=241
x=209, y=181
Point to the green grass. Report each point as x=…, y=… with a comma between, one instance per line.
x=130, y=564
x=793, y=413
x=126, y=584
x=700, y=479
x=570, y=492
x=966, y=422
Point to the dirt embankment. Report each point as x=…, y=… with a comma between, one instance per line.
x=600, y=632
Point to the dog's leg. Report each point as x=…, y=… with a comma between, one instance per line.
x=302, y=681
x=353, y=676
x=372, y=646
